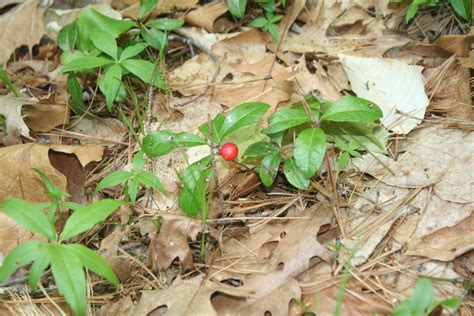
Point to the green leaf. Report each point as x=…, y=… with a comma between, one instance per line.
x=259, y=149
x=269, y=6
x=91, y=20
x=155, y=38
x=138, y=161
x=94, y=262
x=132, y=51
x=69, y=277
x=237, y=7
x=285, y=119
x=110, y=84
x=30, y=216
x=342, y=162
x=23, y=253
x=84, y=63
x=114, y=178
x=151, y=180
x=192, y=197
x=295, y=176
x=87, y=216
x=8, y=82
x=105, y=42
x=241, y=116
x=67, y=36
x=422, y=297
x=40, y=264
x=310, y=147
x=51, y=190
x=463, y=8
x=160, y=143
x=75, y=90
x=352, y=109
x=216, y=123
x=452, y=303
x=146, y=6
x=259, y=22
x=411, y=11
x=274, y=31
x=133, y=186
x=143, y=69
x=165, y=24
x=269, y=168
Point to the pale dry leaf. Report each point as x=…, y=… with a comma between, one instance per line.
x=456, y=44
x=247, y=47
x=172, y=241
x=100, y=131
x=430, y=156
x=22, y=25
x=122, y=266
x=46, y=115
x=206, y=15
x=163, y=7
x=381, y=81
x=10, y=110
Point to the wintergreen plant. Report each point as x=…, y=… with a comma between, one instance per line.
x=132, y=180
x=67, y=260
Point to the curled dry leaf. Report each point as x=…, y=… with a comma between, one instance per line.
x=380, y=81
x=205, y=16
x=10, y=110
x=47, y=114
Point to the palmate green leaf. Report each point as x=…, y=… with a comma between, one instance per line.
x=143, y=69
x=192, y=197
x=30, y=216
x=463, y=8
x=87, y=216
x=310, y=148
x=269, y=6
x=160, y=143
x=285, y=119
x=84, y=63
x=42, y=261
x=91, y=20
x=269, y=168
x=237, y=7
x=259, y=22
x=146, y=6
x=51, y=190
x=114, y=178
x=24, y=253
x=155, y=38
x=165, y=24
x=295, y=176
x=352, y=109
x=94, y=262
x=67, y=36
x=132, y=51
x=76, y=103
x=274, y=31
x=110, y=83
x=132, y=187
x=105, y=42
x=69, y=277
x=241, y=116
x=151, y=180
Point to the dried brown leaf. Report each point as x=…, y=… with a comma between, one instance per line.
x=205, y=16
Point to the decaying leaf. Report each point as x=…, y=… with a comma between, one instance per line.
x=15, y=127
x=100, y=131
x=205, y=16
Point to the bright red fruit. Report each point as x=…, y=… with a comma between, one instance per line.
x=229, y=151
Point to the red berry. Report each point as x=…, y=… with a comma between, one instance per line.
x=229, y=151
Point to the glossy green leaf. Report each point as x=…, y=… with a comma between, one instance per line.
x=84, y=63
x=192, y=197
x=67, y=36
x=91, y=20
x=42, y=261
x=151, y=180
x=160, y=143
x=411, y=11
x=87, y=216
x=69, y=277
x=143, y=69
x=269, y=168
x=237, y=7
x=132, y=51
x=94, y=262
x=114, y=178
x=352, y=109
x=295, y=176
x=259, y=149
x=216, y=123
x=241, y=116
x=105, y=42
x=110, y=84
x=310, y=147
x=22, y=254
x=132, y=187
x=30, y=216
x=463, y=8
x=165, y=24
x=147, y=6
x=284, y=119
x=76, y=103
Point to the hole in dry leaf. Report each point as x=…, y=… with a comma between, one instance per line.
x=229, y=77
x=326, y=234
x=267, y=249
x=280, y=266
x=267, y=313
x=160, y=310
x=315, y=261
x=283, y=235
x=221, y=301
x=233, y=282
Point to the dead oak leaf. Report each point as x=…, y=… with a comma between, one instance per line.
x=10, y=110
x=205, y=16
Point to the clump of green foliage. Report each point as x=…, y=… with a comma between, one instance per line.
x=463, y=8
